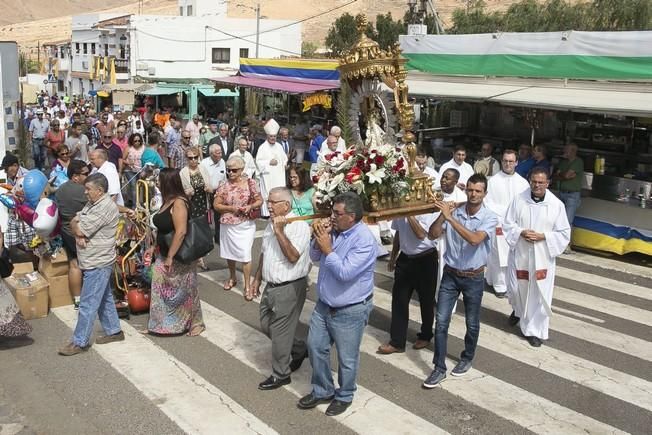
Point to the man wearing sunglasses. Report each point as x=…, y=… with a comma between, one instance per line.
x=113, y=151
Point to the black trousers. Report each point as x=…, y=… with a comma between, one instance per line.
x=411, y=274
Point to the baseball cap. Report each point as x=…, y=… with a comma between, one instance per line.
x=39, y=111
x=9, y=160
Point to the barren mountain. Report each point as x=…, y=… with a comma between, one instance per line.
x=30, y=22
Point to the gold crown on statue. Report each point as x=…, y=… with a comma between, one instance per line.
x=366, y=58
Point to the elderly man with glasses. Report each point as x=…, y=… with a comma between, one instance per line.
x=284, y=265
x=113, y=151
x=94, y=229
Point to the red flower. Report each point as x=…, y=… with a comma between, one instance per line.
x=379, y=160
x=399, y=163
x=402, y=172
x=315, y=179
x=354, y=175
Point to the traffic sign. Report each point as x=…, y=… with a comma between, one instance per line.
x=45, y=82
x=51, y=78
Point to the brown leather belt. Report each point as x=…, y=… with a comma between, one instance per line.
x=465, y=273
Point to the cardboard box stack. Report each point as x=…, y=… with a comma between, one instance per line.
x=30, y=290
x=55, y=271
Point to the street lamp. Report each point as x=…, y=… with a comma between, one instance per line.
x=258, y=17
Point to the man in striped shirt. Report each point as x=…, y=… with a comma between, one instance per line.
x=284, y=265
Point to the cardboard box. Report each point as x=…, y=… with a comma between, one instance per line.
x=59, y=292
x=49, y=267
x=59, y=257
x=31, y=294
x=23, y=268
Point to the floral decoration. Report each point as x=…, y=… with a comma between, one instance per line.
x=380, y=169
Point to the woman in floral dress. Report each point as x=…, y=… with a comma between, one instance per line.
x=12, y=323
x=234, y=200
x=175, y=307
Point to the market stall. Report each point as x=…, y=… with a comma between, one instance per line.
x=590, y=88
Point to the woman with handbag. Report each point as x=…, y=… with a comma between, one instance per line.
x=174, y=306
x=238, y=201
x=196, y=184
x=12, y=323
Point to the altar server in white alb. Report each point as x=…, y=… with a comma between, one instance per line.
x=504, y=186
x=537, y=230
x=271, y=160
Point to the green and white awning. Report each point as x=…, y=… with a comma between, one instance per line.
x=572, y=54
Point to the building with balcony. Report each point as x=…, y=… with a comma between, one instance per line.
x=201, y=43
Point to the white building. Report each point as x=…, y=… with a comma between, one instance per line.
x=199, y=44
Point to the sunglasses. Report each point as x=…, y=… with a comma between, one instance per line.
x=186, y=137
x=193, y=157
x=108, y=137
x=64, y=154
x=233, y=170
x=137, y=141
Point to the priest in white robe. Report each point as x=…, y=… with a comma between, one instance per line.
x=503, y=187
x=271, y=161
x=537, y=231
x=458, y=162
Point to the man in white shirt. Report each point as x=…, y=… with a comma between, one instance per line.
x=100, y=160
x=284, y=265
x=415, y=268
x=216, y=168
x=194, y=127
x=341, y=145
x=501, y=191
x=422, y=164
x=458, y=163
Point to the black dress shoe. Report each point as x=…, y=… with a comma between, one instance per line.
x=310, y=401
x=337, y=407
x=273, y=383
x=513, y=320
x=534, y=341
x=295, y=364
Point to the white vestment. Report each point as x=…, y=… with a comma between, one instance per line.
x=464, y=169
x=501, y=191
x=457, y=196
x=531, y=266
x=271, y=176
x=341, y=146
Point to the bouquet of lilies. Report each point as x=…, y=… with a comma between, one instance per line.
x=380, y=168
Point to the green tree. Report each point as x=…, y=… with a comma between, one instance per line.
x=387, y=30
x=343, y=33
x=27, y=65
x=621, y=15
x=475, y=19
x=308, y=49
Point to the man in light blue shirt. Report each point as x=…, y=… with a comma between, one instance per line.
x=468, y=231
x=346, y=251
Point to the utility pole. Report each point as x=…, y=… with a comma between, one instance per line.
x=257, y=27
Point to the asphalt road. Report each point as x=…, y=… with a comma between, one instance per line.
x=594, y=374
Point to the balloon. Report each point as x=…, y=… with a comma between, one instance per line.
x=46, y=216
x=34, y=182
x=8, y=200
x=58, y=177
x=25, y=213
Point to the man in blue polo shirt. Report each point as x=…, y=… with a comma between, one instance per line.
x=346, y=251
x=468, y=231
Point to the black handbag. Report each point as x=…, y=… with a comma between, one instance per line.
x=197, y=243
x=6, y=266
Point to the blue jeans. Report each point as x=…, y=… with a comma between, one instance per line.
x=96, y=300
x=572, y=201
x=344, y=327
x=472, y=289
x=39, y=154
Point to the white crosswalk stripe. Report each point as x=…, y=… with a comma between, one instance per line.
x=476, y=387
x=604, y=282
x=144, y=363
x=189, y=400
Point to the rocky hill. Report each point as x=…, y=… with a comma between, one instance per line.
x=29, y=23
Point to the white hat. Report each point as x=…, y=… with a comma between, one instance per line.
x=271, y=127
x=39, y=111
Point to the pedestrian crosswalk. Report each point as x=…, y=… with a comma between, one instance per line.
x=593, y=376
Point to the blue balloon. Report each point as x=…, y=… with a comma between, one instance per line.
x=34, y=183
x=8, y=200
